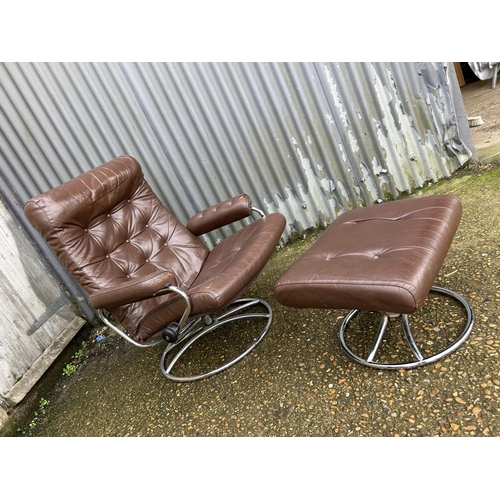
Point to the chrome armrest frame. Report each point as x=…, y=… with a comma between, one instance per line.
x=155, y=341
x=259, y=211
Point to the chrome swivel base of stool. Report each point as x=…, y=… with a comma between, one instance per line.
x=420, y=360
x=238, y=310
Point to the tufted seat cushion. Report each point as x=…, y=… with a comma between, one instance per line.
x=110, y=230
x=378, y=258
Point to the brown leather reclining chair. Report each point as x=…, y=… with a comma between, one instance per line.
x=146, y=270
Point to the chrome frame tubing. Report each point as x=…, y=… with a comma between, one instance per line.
x=420, y=360
x=154, y=341
x=258, y=211
x=193, y=333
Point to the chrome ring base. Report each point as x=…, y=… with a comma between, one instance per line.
x=199, y=328
x=420, y=360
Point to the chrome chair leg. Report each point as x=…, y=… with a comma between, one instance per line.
x=190, y=337
x=420, y=360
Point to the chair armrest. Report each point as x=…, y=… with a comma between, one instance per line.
x=132, y=290
x=221, y=214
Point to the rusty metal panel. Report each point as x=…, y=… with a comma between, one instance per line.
x=309, y=140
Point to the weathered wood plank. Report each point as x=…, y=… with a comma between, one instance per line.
x=19, y=390
x=27, y=291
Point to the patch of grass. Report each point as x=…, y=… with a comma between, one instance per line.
x=77, y=361
x=40, y=412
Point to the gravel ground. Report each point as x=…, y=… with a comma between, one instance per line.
x=298, y=382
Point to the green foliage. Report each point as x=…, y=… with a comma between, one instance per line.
x=42, y=405
x=69, y=369
x=72, y=367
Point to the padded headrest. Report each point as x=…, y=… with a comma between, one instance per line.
x=85, y=197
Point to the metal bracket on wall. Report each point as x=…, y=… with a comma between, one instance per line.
x=47, y=314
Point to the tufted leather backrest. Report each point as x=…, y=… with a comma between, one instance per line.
x=108, y=226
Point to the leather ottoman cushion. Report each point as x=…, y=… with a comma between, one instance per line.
x=377, y=258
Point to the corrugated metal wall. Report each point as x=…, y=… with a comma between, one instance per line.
x=306, y=139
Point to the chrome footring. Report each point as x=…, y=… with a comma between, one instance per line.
x=420, y=360
x=197, y=329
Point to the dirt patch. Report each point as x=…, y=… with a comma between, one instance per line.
x=481, y=100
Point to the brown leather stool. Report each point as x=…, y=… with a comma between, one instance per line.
x=379, y=258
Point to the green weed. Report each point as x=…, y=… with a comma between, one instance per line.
x=72, y=367
x=42, y=405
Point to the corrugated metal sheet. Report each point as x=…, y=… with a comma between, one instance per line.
x=306, y=139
